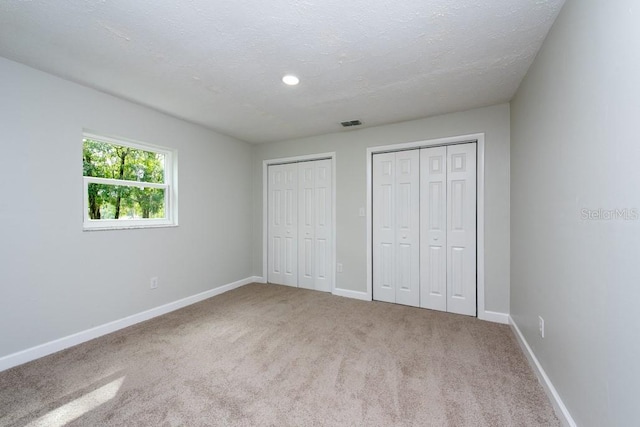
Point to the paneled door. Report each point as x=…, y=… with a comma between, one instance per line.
x=300, y=225
x=315, y=261
x=396, y=227
x=433, y=228
x=282, y=233
x=424, y=227
x=448, y=228
x=461, y=229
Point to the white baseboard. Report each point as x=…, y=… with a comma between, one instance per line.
x=259, y=279
x=494, y=316
x=561, y=410
x=50, y=347
x=351, y=294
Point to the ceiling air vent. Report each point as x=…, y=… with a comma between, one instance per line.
x=351, y=123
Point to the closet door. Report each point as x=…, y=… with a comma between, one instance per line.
x=282, y=233
x=448, y=228
x=461, y=229
x=323, y=244
x=396, y=232
x=315, y=263
x=433, y=228
x=306, y=225
x=407, y=183
x=383, y=217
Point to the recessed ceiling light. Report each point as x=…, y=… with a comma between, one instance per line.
x=290, y=80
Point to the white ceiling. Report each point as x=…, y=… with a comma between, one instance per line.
x=220, y=63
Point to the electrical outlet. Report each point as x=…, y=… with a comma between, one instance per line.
x=154, y=283
x=339, y=268
x=541, y=326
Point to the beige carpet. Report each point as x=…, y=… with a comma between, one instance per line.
x=279, y=356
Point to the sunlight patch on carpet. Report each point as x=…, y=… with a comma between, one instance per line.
x=80, y=406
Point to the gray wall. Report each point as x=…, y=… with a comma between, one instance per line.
x=55, y=279
x=350, y=148
x=575, y=146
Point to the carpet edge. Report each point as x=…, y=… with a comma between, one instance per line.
x=556, y=401
x=41, y=350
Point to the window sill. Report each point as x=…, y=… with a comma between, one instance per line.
x=128, y=227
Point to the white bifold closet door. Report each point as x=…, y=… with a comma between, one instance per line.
x=448, y=228
x=315, y=265
x=300, y=229
x=461, y=229
x=424, y=228
x=282, y=256
x=433, y=228
x=396, y=227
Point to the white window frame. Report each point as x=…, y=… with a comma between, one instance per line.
x=169, y=185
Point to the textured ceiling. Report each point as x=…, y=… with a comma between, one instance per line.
x=220, y=64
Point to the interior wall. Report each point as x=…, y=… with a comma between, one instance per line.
x=350, y=148
x=575, y=157
x=55, y=279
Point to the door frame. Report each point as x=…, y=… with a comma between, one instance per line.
x=265, y=207
x=478, y=138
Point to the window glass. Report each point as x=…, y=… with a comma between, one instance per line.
x=125, y=185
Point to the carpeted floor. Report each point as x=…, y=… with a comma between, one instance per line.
x=280, y=356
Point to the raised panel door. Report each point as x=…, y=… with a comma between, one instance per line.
x=433, y=228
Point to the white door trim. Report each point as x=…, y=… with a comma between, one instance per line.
x=479, y=139
x=265, y=201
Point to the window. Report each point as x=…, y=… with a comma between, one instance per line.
x=127, y=185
